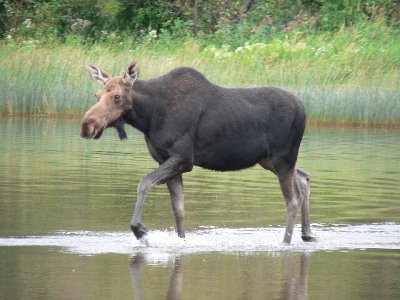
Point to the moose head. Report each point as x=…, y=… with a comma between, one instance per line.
x=113, y=101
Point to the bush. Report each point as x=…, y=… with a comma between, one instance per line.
x=232, y=21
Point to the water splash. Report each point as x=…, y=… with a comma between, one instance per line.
x=162, y=245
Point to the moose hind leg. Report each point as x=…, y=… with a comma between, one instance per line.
x=303, y=181
x=175, y=188
x=288, y=187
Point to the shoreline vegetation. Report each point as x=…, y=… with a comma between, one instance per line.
x=310, y=122
x=346, y=75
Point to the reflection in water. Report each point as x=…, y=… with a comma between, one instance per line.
x=176, y=281
x=136, y=269
x=294, y=286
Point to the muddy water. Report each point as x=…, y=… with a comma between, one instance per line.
x=65, y=206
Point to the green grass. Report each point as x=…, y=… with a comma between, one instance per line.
x=342, y=77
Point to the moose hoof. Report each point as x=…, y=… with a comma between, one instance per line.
x=309, y=238
x=139, y=230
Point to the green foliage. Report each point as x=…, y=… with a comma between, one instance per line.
x=49, y=19
x=39, y=19
x=134, y=16
x=334, y=14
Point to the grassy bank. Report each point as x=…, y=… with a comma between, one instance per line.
x=348, y=76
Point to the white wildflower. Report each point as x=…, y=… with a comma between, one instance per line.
x=27, y=23
x=321, y=50
x=153, y=34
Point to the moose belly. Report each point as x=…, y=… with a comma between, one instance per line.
x=229, y=154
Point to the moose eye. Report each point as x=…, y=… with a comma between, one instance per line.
x=117, y=98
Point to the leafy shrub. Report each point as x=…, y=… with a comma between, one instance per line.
x=226, y=21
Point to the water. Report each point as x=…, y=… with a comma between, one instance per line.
x=65, y=206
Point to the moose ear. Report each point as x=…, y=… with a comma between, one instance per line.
x=131, y=73
x=97, y=74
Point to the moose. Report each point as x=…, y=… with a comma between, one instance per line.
x=188, y=121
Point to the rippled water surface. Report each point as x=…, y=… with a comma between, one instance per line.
x=65, y=206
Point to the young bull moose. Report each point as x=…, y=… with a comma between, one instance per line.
x=188, y=121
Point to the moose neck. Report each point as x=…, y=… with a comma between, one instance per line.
x=146, y=106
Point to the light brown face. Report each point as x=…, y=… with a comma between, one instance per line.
x=113, y=101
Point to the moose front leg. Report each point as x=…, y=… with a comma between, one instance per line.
x=170, y=168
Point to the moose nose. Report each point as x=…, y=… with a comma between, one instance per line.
x=88, y=128
x=85, y=130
